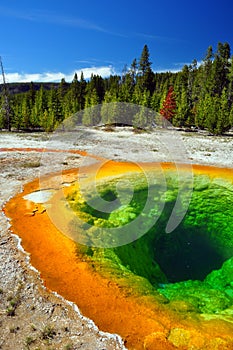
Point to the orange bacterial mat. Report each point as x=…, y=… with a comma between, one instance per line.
x=143, y=323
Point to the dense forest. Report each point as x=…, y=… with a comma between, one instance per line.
x=200, y=95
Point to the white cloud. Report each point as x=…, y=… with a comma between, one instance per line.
x=167, y=70
x=182, y=64
x=104, y=71
x=177, y=67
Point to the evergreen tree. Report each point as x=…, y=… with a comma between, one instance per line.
x=230, y=79
x=38, y=108
x=109, y=109
x=231, y=116
x=6, y=112
x=96, y=84
x=48, y=120
x=212, y=107
x=91, y=114
x=26, y=112
x=126, y=89
x=55, y=106
x=31, y=95
x=183, y=111
x=206, y=71
x=74, y=94
x=82, y=92
x=144, y=117
x=133, y=71
x=220, y=69
x=155, y=101
x=16, y=111
x=137, y=95
x=203, y=96
x=145, y=73
x=193, y=84
x=62, y=89
x=223, y=117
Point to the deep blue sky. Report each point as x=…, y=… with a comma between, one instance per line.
x=44, y=40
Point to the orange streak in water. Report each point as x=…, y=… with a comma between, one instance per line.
x=40, y=150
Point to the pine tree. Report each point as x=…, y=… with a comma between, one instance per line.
x=109, y=109
x=96, y=84
x=74, y=94
x=16, y=119
x=137, y=96
x=127, y=85
x=133, y=71
x=144, y=117
x=31, y=95
x=82, y=92
x=212, y=106
x=6, y=112
x=223, y=120
x=62, y=89
x=231, y=116
x=145, y=73
x=230, y=79
x=199, y=116
x=155, y=101
x=203, y=95
x=91, y=114
x=206, y=72
x=26, y=112
x=38, y=108
x=48, y=120
x=55, y=106
x=220, y=69
x=183, y=111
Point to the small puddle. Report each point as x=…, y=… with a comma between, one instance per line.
x=41, y=196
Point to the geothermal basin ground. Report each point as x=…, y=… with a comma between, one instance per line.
x=30, y=314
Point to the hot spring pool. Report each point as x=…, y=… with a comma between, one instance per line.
x=193, y=263
x=172, y=287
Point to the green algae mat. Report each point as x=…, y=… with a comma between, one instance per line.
x=192, y=262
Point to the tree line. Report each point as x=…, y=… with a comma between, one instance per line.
x=200, y=95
